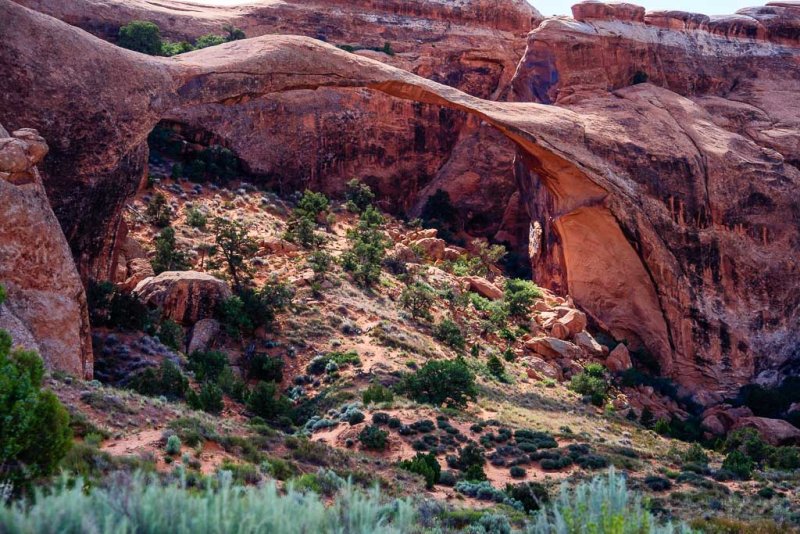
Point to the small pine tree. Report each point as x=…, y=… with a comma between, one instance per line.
x=418, y=298
x=158, y=211
x=495, y=366
x=236, y=247
x=168, y=256
x=367, y=249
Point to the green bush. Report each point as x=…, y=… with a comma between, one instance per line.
x=373, y=438
x=426, y=465
x=601, y=506
x=519, y=297
x=209, y=399
x=787, y=458
x=195, y=218
x=173, y=446
x=35, y=433
x=255, y=308
x=359, y=195
x=262, y=366
x=418, y=298
x=367, y=249
x=236, y=246
x=532, y=495
x=140, y=36
x=517, y=472
x=442, y=381
x=739, y=464
x=166, y=380
x=158, y=211
x=495, y=366
x=592, y=383
x=303, y=221
x=207, y=365
x=148, y=505
x=168, y=256
x=265, y=402
x=112, y=308
x=170, y=334
x=376, y=394
x=449, y=333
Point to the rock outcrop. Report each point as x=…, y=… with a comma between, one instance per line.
x=184, y=296
x=667, y=209
x=46, y=306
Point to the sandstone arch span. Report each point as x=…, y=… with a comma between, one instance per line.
x=96, y=103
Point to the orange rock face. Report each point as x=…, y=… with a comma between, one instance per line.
x=46, y=306
x=667, y=210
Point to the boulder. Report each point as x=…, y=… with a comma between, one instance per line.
x=184, y=296
x=432, y=247
x=203, y=334
x=619, y=360
x=776, y=432
x=484, y=288
x=137, y=269
x=589, y=344
x=574, y=321
x=552, y=348
x=559, y=331
x=713, y=425
x=613, y=11
x=538, y=368
x=404, y=253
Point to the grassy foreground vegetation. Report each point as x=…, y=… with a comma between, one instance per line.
x=143, y=505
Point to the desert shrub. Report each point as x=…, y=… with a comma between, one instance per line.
x=739, y=464
x=376, y=394
x=158, y=211
x=265, y=402
x=657, y=483
x=167, y=380
x=519, y=297
x=418, y=298
x=441, y=381
x=784, y=458
x=173, y=446
x=111, y=307
x=320, y=262
x=602, y=506
x=495, y=366
x=373, y=438
x=592, y=383
x=725, y=525
x=207, y=365
x=486, y=256
x=255, y=308
x=517, y=472
x=748, y=442
x=261, y=366
x=358, y=195
x=367, y=249
x=532, y=440
x=302, y=223
x=426, y=465
x=380, y=418
x=209, y=399
x=151, y=506
x=168, y=256
x=170, y=334
x=695, y=454
x=140, y=36
x=440, y=213
x=449, y=333
x=232, y=385
x=484, y=491
x=531, y=495
x=35, y=433
x=195, y=218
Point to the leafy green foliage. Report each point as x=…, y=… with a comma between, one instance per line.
x=251, y=309
x=442, y=381
x=426, y=465
x=495, y=366
x=207, y=365
x=304, y=219
x=110, y=307
x=236, y=247
x=170, y=334
x=195, y=218
x=173, y=446
x=262, y=366
x=449, y=333
x=532, y=495
x=209, y=399
x=166, y=380
x=140, y=36
x=158, y=211
x=591, y=382
x=739, y=464
x=35, y=433
x=519, y=296
x=265, y=402
x=376, y=394
x=373, y=438
x=418, y=298
x=359, y=195
x=168, y=256
x=487, y=256
x=367, y=249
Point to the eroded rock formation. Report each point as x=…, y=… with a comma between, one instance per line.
x=46, y=306
x=668, y=210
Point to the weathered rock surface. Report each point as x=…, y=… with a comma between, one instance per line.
x=774, y=431
x=484, y=288
x=619, y=359
x=203, y=334
x=184, y=296
x=666, y=210
x=46, y=306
